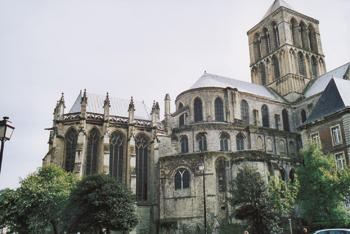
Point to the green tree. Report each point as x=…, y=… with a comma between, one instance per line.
x=38, y=203
x=251, y=201
x=323, y=186
x=100, y=204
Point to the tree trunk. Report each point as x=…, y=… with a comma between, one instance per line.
x=54, y=227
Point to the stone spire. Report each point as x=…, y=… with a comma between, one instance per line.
x=83, y=103
x=59, y=109
x=275, y=5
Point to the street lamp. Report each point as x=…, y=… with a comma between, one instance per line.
x=201, y=168
x=6, y=131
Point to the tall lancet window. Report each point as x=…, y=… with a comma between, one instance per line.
x=301, y=64
x=265, y=116
x=198, y=111
x=141, y=144
x=219, y=110
x=285, y=120
x=71, y=147
x=116, y=153
x=263, y=74
x=92, y=152
x=224, y=141
x=245, y=111
x=182, y=117
x=276, y=67
x=313, y=67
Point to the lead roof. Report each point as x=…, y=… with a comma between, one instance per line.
x=119, y=107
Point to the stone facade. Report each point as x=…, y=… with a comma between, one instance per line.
x=219, y=121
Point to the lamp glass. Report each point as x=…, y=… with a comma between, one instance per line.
x=2, y=131
x=201, y=166
x=9, y=132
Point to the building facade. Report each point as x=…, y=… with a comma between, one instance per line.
x=219, y=122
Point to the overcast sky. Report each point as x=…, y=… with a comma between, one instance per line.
x=128, y=48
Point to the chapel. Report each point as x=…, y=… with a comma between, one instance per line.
x=219, y=123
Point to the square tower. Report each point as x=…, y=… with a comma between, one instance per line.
x=285, y=51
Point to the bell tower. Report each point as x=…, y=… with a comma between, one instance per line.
x=285, y=51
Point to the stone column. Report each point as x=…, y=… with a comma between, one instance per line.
x=104, y=159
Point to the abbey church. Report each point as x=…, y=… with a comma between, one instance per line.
x=218, y=124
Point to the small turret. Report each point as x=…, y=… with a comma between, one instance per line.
x=167, y=105
x=59, y=109
x=106, y=106
x=131, y=110
x=83, y=105
x=154, y=113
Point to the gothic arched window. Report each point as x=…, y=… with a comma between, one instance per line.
x=295, y=32
x=291, y=147
x=313, y=67
x=182, y=179
x=265, y=116
x=141, y=146
x=92, y=152
x=202, y=142
x=259, y=143
x=283, y=174
x=224, y=140
x=301, y=64
x=263, y=74
x=245, y=111
x=116, y=155
x=276, y=67
x=285, y=120
x=71, y=147
x=182, y=117
x=304, y=36
x=198, y=111
x=240, y=141
x=184, y=144
x=219, y=110
x=303, y=115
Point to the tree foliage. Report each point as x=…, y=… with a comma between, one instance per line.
x=39, y=201
x=323, y=186
x=100, y=204
x=251, y=201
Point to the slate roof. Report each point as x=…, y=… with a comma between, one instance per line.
x=334, y=98
x=119, y=107
x=320, y=83
x=210, y=80
x=275, y=5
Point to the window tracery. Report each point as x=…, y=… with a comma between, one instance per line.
x=116, y=155
x=141, y=145
x=182, y=179
x=71, y=147
x=92, y=152
x=184, y=144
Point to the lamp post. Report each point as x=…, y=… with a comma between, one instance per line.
x=6, y=131
x=201, y=168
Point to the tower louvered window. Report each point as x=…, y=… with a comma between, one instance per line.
x=92, y=152
x=141, y=145
x=275, y=31
x=263, y=75
x=276, y=67
x=219, y=110
x=245, y=111
x=300, y=64
x=71, y=147
x=184, y=144
x=285, y=120
x=313, y=67
x=116, y=153
x=265, y=116
x=198, y=112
